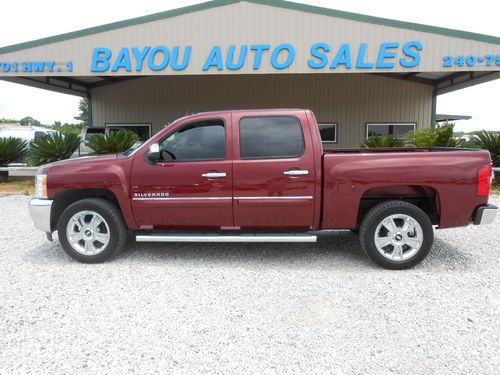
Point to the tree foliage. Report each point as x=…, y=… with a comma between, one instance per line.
x=67, y=128
x=83, y=116
x=8, y=121
x=29, y=121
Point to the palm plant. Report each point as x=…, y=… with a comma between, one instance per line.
x=12, y=150
x=113, y=142
x=52, y=148
x=490, y=141
x=387, y=141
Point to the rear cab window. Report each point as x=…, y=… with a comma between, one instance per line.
x=40, y=134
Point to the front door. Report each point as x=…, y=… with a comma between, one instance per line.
x=273, y=169
x=191, y=185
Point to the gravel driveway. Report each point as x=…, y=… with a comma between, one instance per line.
x=319, y=308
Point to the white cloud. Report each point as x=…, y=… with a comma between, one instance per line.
x=18, y=101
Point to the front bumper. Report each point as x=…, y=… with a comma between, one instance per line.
x=485, y=215
x=40, y=213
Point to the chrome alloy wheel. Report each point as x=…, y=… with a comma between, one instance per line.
x=398, y=237
x=88, y=233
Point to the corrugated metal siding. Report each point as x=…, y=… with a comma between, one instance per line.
x=350, y=100
x=246, y=24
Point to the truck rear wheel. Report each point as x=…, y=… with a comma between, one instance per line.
x=92, y=230
x=396, y=235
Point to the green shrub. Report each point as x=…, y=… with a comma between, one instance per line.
x=113, y=142
x=12, y=150
x=67, y=128
x=439, y=136
x=387, y=141
x=490, y=141
x=52, y=148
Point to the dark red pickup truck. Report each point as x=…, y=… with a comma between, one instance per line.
x=261, y=176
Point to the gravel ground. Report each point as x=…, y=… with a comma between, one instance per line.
x=247, y=308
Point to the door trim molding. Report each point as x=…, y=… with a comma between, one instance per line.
x=308, y=197
x=276, y=198
x=183, y=199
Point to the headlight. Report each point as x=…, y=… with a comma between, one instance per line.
x=41, y=186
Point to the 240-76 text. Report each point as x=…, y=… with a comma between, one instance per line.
x=471, y=60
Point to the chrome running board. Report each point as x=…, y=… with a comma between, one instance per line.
x=225, y=238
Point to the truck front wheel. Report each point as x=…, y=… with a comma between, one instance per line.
x=396, y=235
x=92, y=230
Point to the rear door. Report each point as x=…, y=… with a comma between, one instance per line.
x=273, y=169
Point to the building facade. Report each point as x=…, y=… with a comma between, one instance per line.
x=361, y=75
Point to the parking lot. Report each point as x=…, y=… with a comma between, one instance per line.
x=247, y=308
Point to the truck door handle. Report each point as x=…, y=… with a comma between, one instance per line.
x=214, y=174
x=296, y=172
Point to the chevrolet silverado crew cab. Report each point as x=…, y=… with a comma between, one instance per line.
x=261, y=176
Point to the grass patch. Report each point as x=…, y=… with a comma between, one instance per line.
x=18, y=185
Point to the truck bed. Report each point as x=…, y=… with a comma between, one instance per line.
x=448, y=174
x=394, y=150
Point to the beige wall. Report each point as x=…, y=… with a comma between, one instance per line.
x=350, y=100
x=246, y=23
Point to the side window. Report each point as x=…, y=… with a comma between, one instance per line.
x=40, y=134
x=271, y=137
x=203, y=140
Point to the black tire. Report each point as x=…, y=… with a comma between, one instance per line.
x=112, y=218
x=379, y=213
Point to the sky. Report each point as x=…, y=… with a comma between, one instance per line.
x=26, y=20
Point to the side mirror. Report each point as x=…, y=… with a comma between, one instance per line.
x=153, y=154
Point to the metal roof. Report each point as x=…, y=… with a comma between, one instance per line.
x=442, y=82
x=446, y=118
x=275, y=3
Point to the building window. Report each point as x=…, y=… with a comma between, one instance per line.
x=399, y=130
x=271, y=137
x=328, y=132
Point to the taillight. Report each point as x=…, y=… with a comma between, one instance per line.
x=483, y=181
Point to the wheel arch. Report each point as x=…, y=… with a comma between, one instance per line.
x=423, y=196
x=67, y=197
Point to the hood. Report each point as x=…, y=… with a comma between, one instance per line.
x=81, y=161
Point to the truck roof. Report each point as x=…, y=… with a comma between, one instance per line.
x=256, y=110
